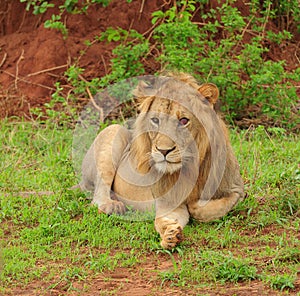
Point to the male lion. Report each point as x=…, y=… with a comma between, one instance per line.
x=177, y=158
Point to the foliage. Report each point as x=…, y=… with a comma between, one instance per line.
x=281, y=282
x=68, y=6
x=126, y=61
x=237, y=67
x=236, y=62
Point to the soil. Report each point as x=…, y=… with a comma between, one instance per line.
x=33, y=58
x=142, y=280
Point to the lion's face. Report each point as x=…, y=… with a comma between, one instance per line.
x=169, y=130
x=168, y=135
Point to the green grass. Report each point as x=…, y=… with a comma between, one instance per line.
x=58, y=238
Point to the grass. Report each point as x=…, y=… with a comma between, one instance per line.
x=53, y=236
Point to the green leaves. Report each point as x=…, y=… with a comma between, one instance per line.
x=220, y=44
x=281, y=282
x=231, y=18
x=69, y=6
x=119, y=34
x=39, y=6
x=56, y=23
x=157, y=15
x=237, y=66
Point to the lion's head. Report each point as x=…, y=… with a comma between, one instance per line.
x=175, y=123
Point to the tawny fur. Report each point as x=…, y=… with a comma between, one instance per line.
x=183, y=171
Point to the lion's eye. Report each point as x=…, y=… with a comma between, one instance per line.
x=155, y=120
x=183, y=121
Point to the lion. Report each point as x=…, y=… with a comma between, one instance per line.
x=177, y=158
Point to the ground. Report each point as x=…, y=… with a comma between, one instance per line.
x=140, y=282
x=32, y=58
x=142, y=279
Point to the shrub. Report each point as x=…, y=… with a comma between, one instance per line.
x=236, y=62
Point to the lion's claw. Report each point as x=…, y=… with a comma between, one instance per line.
x=172, y=236
x=112, y=207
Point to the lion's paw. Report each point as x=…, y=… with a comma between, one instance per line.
x=112, y=207
x=172, y=236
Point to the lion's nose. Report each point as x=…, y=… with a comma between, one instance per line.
x=164, y=152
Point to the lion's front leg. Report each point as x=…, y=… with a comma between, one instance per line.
x=170, y=226
x=100, y=165
x=104, y=199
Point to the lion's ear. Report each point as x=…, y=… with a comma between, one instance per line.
x=210, y=91
x=143, y=89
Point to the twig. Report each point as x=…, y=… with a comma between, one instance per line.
x=243, y=33
x=182, y=9
x=23, y=19
x=17, y=68
x=223, y=27
x=29, y=82
x=3, y=60
x=129, y=29
x=104, y=64
x=141, y=9
x=92, y=98
x=11, y=96
x=296, y=53
x=95, y=104
x=46, y=70
x=151, y=30
x=266, y=20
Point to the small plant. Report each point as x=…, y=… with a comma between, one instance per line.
x=282, y=282
x=38, y=6
x=127, y=55
x=68, y=6
x=52, y=113
x=56, y=23
x=227, y=268
x=234, y=270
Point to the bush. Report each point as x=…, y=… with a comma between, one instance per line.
x=250, y=85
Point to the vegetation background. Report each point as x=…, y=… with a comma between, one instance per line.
x=56, y=55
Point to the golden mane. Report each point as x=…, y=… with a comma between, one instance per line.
x=168, y=88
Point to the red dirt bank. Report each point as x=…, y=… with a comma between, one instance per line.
x=33, y=58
